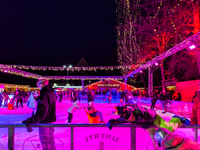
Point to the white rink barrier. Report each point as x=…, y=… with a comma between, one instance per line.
x=11, y=129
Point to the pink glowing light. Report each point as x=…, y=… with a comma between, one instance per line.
x=192, y=47
x=156, y=64
x=5, y=71
x=25, y=75
x=141, y=71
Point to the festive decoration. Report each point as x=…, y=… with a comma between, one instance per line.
x=35, y=76
x=168, y=53
x=54, y=68
x=148, y=28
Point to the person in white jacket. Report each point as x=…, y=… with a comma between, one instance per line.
x=32, y=103
x=71, y=110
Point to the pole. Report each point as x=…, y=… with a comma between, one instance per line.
x=196, y=135
x=150, y=88
x=133, y=138
x=11, y=138
x=67, y=76
x=125, y=81
x=82, y=83
x=72, y=138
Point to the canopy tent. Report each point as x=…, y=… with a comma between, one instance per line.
x=110, y=84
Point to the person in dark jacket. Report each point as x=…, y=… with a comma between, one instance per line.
x=172, y=141
x=18, y=98
x=74, y=95
x=46, y=113
x=154, y=99
x=90, y=96
x=162, y=99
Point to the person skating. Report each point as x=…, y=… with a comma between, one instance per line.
x=32, y=103
x=121, y=103
x=162, y=99
x=93, y=112
x=18, y=98
x=154, y=99
x=109, y=98
x=71, y=111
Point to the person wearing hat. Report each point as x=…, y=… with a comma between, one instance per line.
x=167, y=140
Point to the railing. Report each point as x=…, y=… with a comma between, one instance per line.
x=72, y=126
x=176, y=107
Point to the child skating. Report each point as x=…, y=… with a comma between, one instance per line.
x=71, y=111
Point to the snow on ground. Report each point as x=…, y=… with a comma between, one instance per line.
x=84, y=138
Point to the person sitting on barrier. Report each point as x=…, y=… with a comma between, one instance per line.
x=93, y=112
x=167, y=140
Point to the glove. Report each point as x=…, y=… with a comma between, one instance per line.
x=110, y=123
x=147, y=125
x=27, y=122
x=183, y=120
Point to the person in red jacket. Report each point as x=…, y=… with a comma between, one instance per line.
x=195, y=116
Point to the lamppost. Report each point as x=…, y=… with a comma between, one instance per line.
x=70, y=66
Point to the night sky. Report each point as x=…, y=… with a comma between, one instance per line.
x=57, y=33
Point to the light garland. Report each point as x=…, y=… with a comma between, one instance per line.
x=168, y=53
x=56, y=68
x=35, y=76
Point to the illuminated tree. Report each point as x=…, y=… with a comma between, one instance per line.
x=183, y=66
x=147, y=28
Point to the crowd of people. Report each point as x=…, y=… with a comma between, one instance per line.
x=43, y=104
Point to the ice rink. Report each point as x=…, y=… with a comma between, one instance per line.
x=93, y=138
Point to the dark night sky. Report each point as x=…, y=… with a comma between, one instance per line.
x=57, y=33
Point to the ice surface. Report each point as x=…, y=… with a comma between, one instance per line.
x=84, y=138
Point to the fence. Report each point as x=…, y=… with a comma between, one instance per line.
x=11, y=133
x=175, y=107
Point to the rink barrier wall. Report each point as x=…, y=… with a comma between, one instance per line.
x=176, y=107
x=11, y=129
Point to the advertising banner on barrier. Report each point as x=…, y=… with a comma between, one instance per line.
x=186, y=109
x=176, y=107
x=169, y=107
x=102, y=139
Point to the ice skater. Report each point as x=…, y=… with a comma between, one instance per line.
x=32, y=103
x=71, y=111
x=93, y=112
x=121, y=103
x=18, y=98
x=109, y=97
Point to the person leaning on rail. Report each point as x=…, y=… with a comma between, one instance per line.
x=146, y=117
x=46, y=113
